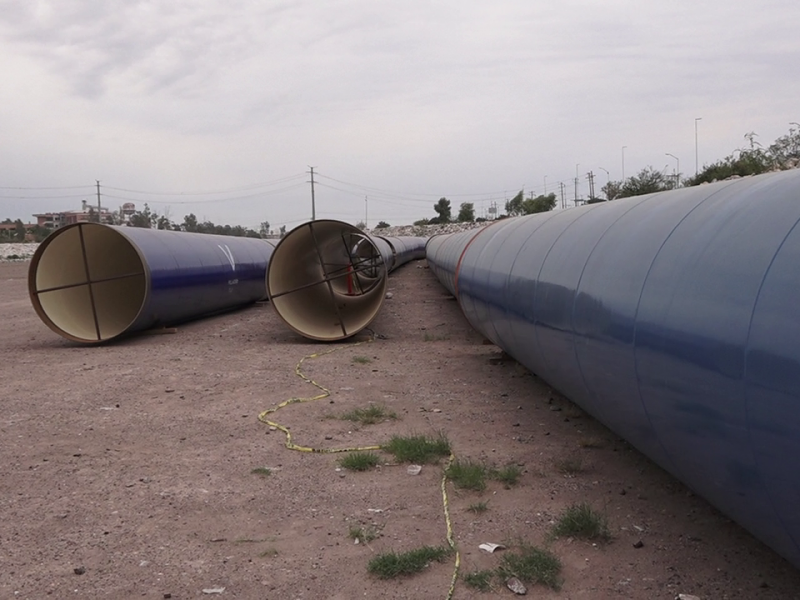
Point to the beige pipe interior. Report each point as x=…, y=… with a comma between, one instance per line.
x=87, y=282
x=326, y=280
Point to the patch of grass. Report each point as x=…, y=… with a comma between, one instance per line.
x=363, y=534
x=432, y=337
x=370, y=415
x=508, y=475
x=570, y=465
x=479, y=580
x=418, y=449
x=591, y=442
x=268, y=553
x=532, y=565
x=478, y=507
x=582, y=521
x=262, y=471
x=362, y=360
x=359, y=461
x=251, y=540
x=390, y=565
x=467, y=475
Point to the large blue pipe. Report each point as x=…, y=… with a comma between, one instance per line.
x=327, y=279
x=673, y=319
x=93, y=283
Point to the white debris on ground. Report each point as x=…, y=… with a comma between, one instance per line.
x=17, y=251
x=425, y=230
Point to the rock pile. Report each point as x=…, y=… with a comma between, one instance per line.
x=17, y=251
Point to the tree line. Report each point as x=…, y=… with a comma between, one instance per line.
x=752, y=159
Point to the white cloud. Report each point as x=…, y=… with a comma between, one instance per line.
x=440, y=98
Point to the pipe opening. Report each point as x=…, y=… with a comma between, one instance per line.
x=326, y=280
x=87, y=282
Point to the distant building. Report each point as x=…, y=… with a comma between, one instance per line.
x=88, y=213
x=8, y=230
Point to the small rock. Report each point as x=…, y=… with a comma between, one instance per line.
x=639, y=544
x=555, y=408
x=328, y=437
x=414, y=469
x=217, y=590
x=389, y=295
x=79, y=570
x=515, y=585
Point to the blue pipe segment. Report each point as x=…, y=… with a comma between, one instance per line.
x=327, y=279
x=672, y=319
x=93, y=283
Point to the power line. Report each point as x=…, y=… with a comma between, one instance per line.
x=212, y=200
x=206, y=193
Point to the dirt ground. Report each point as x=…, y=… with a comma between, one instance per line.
x=128, y=468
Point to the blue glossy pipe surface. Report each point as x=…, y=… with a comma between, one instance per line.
x=91, y=282
x=669, y=317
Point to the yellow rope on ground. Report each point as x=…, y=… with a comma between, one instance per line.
x=449, y=524
x=325, y=393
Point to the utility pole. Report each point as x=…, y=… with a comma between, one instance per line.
x=98, y=200
x=696, y=155
x=563, y=194
x=366, y=212
x=576, y=192
x=313, y=205
x=590, y=177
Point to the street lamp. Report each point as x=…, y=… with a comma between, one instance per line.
x=696, y=161
x=608, y=175
x=677, y=169
x=623, y=164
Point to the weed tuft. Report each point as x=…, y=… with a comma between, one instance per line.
x=467, y=475
x=262, y=471
x=362, y=360
x=359, y=461
x=532, y=565
x=364, y=535
x=478, y=507
x=418, y=449
x=582, y=521
x=432, y=337
x=571, y=465
x=479, y=580
x=508, y=475
x=591, y=442
x=370, y=415
x=390, y=565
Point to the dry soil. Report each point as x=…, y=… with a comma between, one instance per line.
x=128, y=468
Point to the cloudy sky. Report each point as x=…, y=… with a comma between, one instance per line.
x=219, y=108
